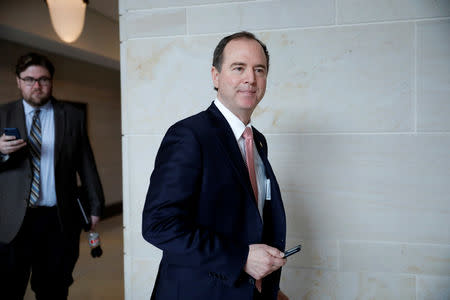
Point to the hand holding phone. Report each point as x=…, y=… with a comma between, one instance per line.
x=291, y=251
x=10, y=141
x=12, y=132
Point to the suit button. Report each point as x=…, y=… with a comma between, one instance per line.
x=251, y=280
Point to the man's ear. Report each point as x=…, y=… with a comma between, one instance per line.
x=18, y=81
x=215, y=77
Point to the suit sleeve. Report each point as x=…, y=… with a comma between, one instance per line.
x=87, y=171
x=170, y=206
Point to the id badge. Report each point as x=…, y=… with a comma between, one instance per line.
x=268, y=190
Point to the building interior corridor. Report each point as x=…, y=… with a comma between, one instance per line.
x=98, y=278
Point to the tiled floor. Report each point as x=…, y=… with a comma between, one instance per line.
x=98, y=278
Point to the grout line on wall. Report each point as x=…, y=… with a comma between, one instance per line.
x=197, y=6
x=356, y=271
x=310, y=268
x=397, y=243
x=158, y=37
x=397, y=21
x=143, y=134
x=124, y=87
x=432, y=19
x=336, y=12
x=186, y=21
x=417, y=286
x=156, y=9
x=311, y=133
x=338, y=263
x=284, y=29
x=186, y=30
x=125, y=181
x=414, y=96
x=356, y=133
x=433, y=132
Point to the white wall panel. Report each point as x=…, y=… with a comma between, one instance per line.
x=433, y=77
x=316, y=254
x=141, y=258
x=142, y=278
x=355, y=11
x=395, y=258
x=260, y=15
x=325, y=84
x=356, y=118
x=433, y=288
x=364, y=187
x=158, y=23
x=149, y=4
x=318, y=284
x=161, y=77
x=340, y=79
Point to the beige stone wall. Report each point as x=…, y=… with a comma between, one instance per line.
x=357, y=119
x=78, y=81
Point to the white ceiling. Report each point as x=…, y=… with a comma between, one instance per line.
x=99, y=43
x=108, y=8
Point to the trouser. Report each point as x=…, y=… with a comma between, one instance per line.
x=42, y=250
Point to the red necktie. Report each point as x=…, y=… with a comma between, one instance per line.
x=248, y=137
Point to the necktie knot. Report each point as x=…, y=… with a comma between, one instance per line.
x=248, y=133
x=36, y=114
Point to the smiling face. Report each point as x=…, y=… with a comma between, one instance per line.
x=36, y=95
x=241, y=82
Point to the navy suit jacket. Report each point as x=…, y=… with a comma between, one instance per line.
x=201, y=211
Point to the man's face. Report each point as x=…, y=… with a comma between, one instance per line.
x=241, y=83
x=37, y=94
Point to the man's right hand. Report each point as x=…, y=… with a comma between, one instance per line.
x=263, y=260
x=9, y=144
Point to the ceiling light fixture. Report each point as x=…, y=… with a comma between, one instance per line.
x=67, y=18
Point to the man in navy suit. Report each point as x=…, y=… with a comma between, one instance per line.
x=213, y=205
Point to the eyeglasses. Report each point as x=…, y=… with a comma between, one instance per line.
x=30, y=81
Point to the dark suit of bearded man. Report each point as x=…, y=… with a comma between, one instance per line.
x=221, y=238
x=43, y=238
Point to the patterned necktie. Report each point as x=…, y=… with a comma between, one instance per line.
x=248, y=137
x=35, y=143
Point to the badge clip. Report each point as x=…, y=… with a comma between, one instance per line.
x=268, y=190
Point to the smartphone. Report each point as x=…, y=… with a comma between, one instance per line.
x=291, y=251
x=12, y=132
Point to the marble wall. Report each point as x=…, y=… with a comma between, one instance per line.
x=357, y=119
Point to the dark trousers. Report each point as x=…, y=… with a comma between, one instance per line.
x=42, y=250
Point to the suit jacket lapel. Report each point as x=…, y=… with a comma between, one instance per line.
x=19, y=113
x=59, y=115
x=226, y=138
x=262, y=151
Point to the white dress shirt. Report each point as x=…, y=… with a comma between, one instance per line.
x=238, y=129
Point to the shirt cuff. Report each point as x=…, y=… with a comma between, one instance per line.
x=4, y=157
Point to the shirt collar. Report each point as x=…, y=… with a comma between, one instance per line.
x=236, y=125
x=30, y=109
